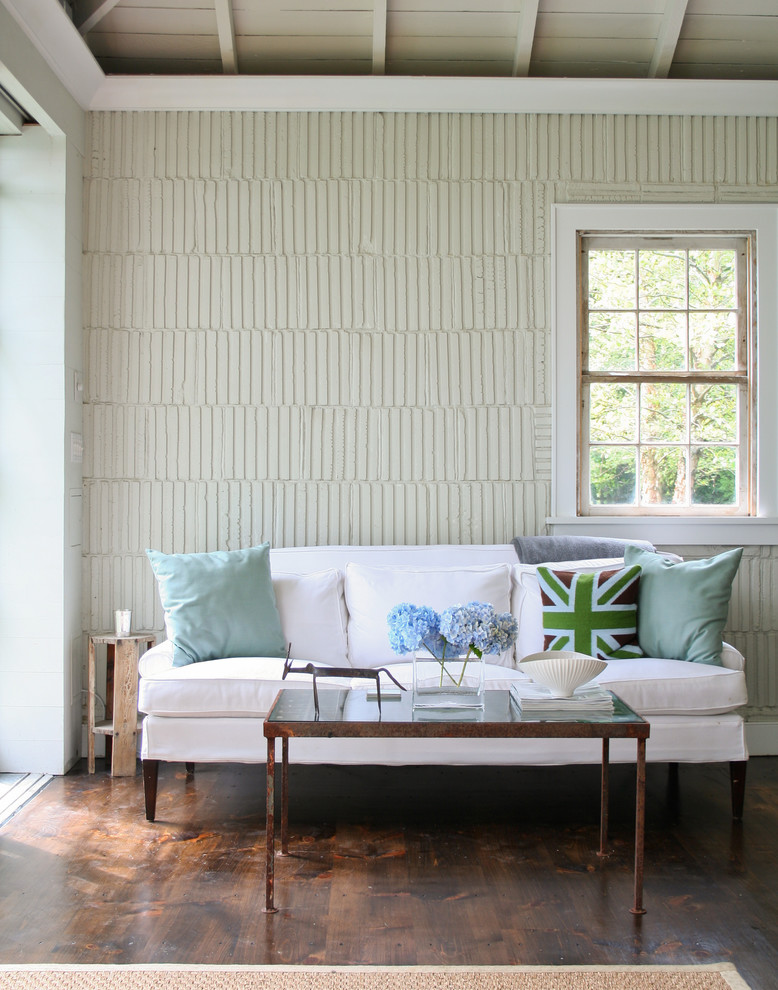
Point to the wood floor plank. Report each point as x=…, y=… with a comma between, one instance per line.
x=393, y=866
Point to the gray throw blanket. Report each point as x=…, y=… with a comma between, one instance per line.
x=547, y=549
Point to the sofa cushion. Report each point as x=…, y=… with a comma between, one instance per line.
x=243, y=687
x=240, y=687
x=682, y=607
x=371, y=593
x=591, y=613
x=231, y=687
x=219, y=604
x=655, y=686
x=313, y=615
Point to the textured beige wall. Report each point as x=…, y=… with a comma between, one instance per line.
x=335, y=328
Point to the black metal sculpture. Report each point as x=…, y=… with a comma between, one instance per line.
x=369, y=673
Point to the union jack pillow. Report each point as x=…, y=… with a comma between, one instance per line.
x=595, y=613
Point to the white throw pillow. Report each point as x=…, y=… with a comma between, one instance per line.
x=313, y=615
x=372, y=592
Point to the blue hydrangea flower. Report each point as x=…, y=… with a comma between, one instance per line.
x=504, y=632
x=413, y=627
x=460, y=629
x=483, y=616
x=458, y=625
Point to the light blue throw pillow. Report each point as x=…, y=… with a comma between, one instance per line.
x=682, y=607
x=219, y=604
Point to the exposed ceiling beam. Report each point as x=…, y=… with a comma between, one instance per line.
x=525, y=37
x=669, y=32
x=414, y=94
x=11, y=117
x=379, y=37
x=89, y=13
x=226, y=25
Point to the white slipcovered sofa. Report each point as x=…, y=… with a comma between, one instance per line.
x=333, y=603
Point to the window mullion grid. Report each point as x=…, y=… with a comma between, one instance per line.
x=688, y=377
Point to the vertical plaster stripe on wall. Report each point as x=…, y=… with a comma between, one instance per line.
x=335, y=328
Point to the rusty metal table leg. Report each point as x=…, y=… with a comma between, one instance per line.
x=270, y=824
x=640, y=826
x=284, y=796
x=604, y=797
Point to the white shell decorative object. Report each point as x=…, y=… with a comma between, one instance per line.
x=561, y=671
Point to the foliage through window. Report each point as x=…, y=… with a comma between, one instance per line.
x=666, y=354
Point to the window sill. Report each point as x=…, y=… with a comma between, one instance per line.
x=671, y=531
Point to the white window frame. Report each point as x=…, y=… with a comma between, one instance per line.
x=761, y=528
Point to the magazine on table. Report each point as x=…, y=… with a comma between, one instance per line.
x=534, y=699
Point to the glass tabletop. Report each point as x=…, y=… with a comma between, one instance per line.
x=343, y=705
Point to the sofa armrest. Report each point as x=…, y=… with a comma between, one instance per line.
x=156, y=660
x=732, y=659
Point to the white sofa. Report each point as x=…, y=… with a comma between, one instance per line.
x=333, y=608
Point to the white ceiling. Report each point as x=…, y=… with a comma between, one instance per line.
x=638, y=39
x=678, y=57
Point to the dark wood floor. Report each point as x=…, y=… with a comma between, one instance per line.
x=394, y=866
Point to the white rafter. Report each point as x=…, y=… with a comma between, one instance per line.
x=669, y=32
x=226, y=27
x=11, y=118
x=379, y=37
x=525, y=36
x=89, y=13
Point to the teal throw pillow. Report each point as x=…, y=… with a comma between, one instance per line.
x=219, y=604
x=594, y=613
x=682, y=607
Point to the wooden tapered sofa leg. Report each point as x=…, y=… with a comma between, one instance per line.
x=737, y=777
x=190, y=769
x=150, y=776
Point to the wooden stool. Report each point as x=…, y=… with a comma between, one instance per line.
x=121, y=723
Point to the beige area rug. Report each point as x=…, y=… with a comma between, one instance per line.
x=721, y=976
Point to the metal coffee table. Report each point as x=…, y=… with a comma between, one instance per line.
x=355, y=714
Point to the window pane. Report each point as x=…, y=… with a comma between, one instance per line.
x=663, y=476
x=714, y=413
x=612, y=342
x=663, y=413
x=613, y=413
x=611, y=279
x=662, y=279
x=714, y=476
x=712, y=341
x=612, y=475
x=712, y=280
x=662, y=341
x=665, y=373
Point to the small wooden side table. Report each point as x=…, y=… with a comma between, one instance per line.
x=121, y=723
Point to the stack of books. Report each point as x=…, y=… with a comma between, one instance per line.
x=536, y=701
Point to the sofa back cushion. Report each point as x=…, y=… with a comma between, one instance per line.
x=313, y=615
x=371, y=593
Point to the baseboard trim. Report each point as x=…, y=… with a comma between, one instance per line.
x=762, y=738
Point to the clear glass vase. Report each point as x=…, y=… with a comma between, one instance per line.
x=450, y=683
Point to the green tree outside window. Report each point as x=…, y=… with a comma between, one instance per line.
x=665, y=373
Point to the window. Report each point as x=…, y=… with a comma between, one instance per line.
x=703, y=511
x=666, y=344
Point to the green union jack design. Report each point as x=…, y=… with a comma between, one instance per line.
x=591, y=613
